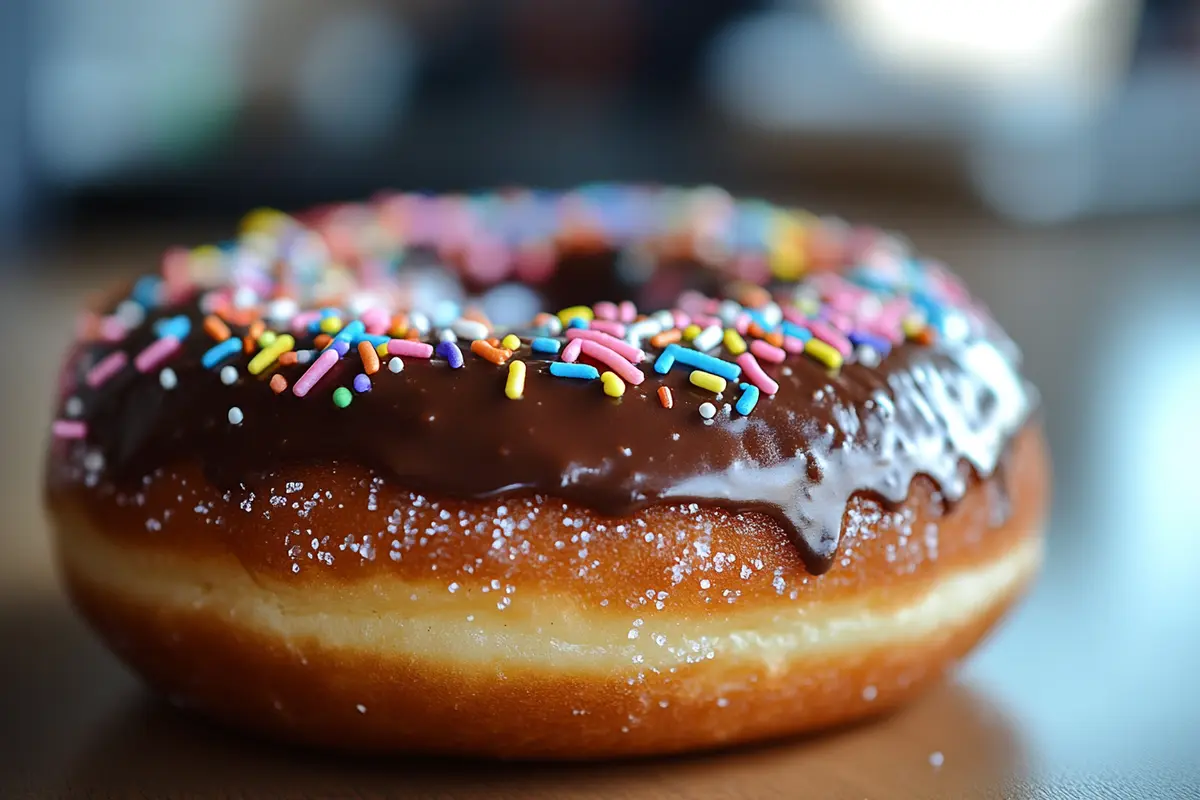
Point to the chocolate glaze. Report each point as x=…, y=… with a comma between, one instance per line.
x=799, y=457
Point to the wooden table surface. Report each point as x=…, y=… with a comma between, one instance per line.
x=1089, y=690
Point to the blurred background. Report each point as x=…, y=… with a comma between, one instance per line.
x=1048, y=149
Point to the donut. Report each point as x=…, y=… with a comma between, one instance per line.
x=609, y=472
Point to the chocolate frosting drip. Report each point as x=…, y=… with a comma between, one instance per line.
x=799, y=457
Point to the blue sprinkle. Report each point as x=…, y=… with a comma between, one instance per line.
x=694, y=358
x=876, y=343
x=561, y=369
x=450, y=352
x=352, y=329
x=544, y=345
x=578, y=322
x=374, y=340
x=146, y=291
x=221, y=351
x=444, y=314
x=340, y=345
x=794, y=330
x=330, y=311
x=748, y=400
x=760, y=320
x=179, y=327
x=666, y=359
x=362, y=383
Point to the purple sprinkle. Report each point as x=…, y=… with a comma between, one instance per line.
x=362, y=383
x=450, y=352
x=340, y=345
x=876, y=343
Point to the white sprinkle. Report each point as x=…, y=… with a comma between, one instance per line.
x=469, y=329
x=235, y=416
x=73, y=407
x=869, y=693
x=708, y=338
x=229, y=375
x=93, y=461
x=168, y=379
x=303, y=356
x=395, y=364
x=419, y=321
x=447, y=335
x=131, y=313
x=936, y=759
x=867, y=355
x=282, y=310
x=708, y=410
x=361, y=708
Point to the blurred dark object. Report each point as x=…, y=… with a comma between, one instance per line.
x=1045, y=110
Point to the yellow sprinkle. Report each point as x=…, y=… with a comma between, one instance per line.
x=271, y=353
x=266, y=338
x=511, y=342
x=787, y=256
x=912, y=326
x=706, y=380
x=809, y=305
x=734, y=342
x=381, y=348
x=691, y=332
x=514, y=387
x=331, y=325
x=568, y=314
x=824, y=353
x=613, y=385
x=263, y=220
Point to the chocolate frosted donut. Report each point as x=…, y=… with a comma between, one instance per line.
x=615, y=471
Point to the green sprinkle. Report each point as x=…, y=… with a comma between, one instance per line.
x=342, y=397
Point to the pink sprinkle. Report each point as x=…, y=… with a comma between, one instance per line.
x=105, y=368
x=794, y=315
x=843, y=322
x=692, y=301
x=706, y=321
x=156, y=353
x=711, y=305
x=624, y=349
x=767, y=351
x=830, y=335
x=845, y=301
x=315, y=372
x=301, y=321
x=755, y=374
x=376, y=321
x=793, y=345
x=613, y=360
x=682, y=319
x=605, y=310
x=570, y=353
x=742, y=323
x=68, y=429
x=112, y=329
x=628, y=312
x=409, y=348
x=607, y=326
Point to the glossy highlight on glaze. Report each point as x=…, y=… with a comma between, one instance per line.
x=930, y=405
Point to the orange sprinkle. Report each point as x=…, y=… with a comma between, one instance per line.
x=370, y=358
x=496, y=355
x=399, y=326
x=665, y=397
x=475, y=313
x=412, y=334
x=775, y=338
x=493, y=341
x=666, y=337
x=755, y=330
x=215, y=327
x=288, y=358
x=237, y=316
x=322, y=341
x=249, y=343
x=754, y=296
x=257, y=328
x=924, y=337
x=278, y=383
